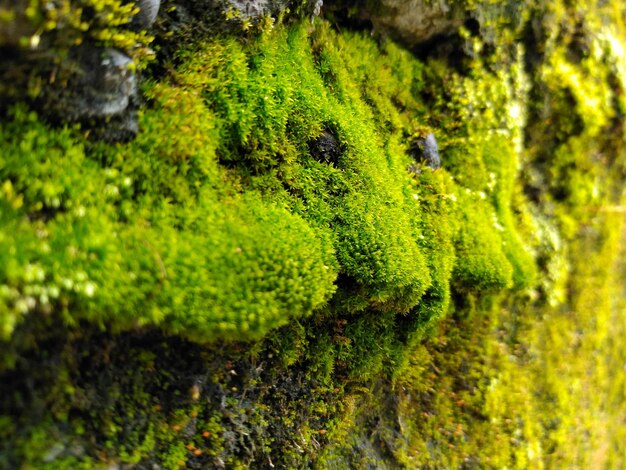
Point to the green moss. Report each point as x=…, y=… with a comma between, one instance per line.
x=91, y=261
x=230, y=218
x=170, y=205
x=482, y=150
x=64, y=25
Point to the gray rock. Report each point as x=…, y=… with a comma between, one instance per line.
x=91, y=85
x=414, y=21
x=419, y=22
x=102, y=89
x=316, y=7
x=148, y=11
x=430, y=151
x=53, y=452
x=253, y=9
x=76, y=449
x=326, y=148
x=111, y=86
x=427, y=151
x=201, y=10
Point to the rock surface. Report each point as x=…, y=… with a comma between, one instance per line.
x=102, y=90
x=68, y=77
x=210, y=14
x=148, y=11
x=411, y=22
x=415, y=21
x=326, y=148
x=106, y=87
x=255, y=8
x=429, y=151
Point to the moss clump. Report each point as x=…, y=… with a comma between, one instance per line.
x=97, y=246
x=272, y=185
x=62, y=25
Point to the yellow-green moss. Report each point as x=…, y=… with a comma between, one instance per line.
x=65, y=24
x=222, y=220
x=218, y=221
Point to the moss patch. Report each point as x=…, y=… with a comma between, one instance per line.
x=271, y=257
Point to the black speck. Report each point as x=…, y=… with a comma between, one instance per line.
x=326, y=148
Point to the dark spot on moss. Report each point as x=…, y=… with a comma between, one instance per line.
x=326, y=148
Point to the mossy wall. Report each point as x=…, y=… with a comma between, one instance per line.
x=256, y=279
